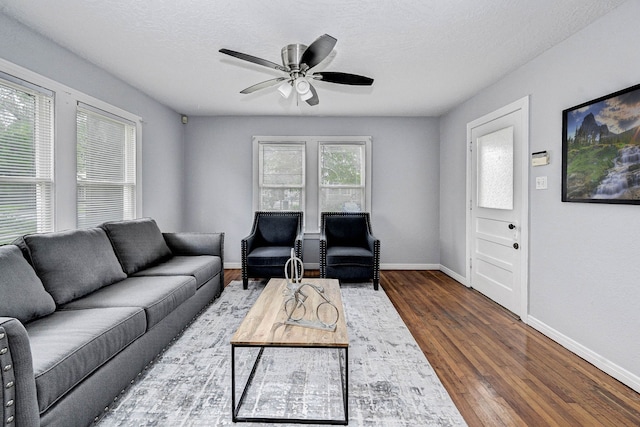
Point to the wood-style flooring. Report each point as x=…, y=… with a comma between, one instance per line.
x=499, y=371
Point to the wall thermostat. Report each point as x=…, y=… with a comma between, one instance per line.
x=539, y=158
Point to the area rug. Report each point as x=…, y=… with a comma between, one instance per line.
x=390, y=381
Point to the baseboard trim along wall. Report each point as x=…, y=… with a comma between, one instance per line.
x=316, y=266
x=587, y=354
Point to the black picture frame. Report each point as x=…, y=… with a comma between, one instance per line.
x=601, y=149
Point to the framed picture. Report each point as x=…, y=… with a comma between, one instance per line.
x=601, y=149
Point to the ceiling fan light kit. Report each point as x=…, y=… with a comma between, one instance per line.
x=297, y=62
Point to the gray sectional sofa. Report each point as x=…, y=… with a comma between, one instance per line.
x=83, y=312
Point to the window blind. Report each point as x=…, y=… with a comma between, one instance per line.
x=282, y=176
x=106, y=167
x=26, y=158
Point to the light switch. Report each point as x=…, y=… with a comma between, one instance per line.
x=541, y=183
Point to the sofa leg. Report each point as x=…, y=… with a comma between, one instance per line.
x=245, y=283
x=375, y=284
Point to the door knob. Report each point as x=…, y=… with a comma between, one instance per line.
x=511, y=226
x=516, y=246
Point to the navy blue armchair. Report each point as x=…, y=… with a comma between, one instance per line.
x=266, y=250
x=348, y=249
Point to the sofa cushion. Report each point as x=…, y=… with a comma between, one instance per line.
x=138, y=243
x=69, y=345
x=22, y=294
x=73, y=263
x=203, y=268
x=157, y=295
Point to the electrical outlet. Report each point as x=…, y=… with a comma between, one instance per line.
x=541, y=183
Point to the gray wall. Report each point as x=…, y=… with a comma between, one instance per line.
x=405, y=182
x=162, y=131
x=584, y=279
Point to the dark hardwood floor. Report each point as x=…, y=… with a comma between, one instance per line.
x=499, y=371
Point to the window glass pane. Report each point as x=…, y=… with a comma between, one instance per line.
x=342, y=177
x=495, y=170
x=342, y=199
x=26, y=161
x=281, y=199
x=342, y=164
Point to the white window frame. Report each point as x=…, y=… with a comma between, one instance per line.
x=44, y=155
x=258, y=162
x=312, y=169
x=365, y=172
x=66, y=99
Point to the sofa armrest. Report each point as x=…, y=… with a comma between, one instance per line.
x=18, y=399
x=186, y=243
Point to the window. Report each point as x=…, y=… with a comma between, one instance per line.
x=281, y=176
x=342, y=177
x=26, y=158
x=106, y=167
x=312, y=174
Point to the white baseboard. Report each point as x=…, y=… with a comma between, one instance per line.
x=455, y=276
x=316, y=266
x=600, y=362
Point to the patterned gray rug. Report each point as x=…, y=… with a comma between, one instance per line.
x=390, y=381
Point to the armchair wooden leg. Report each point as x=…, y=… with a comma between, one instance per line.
x=375, y=284
x=245, y=283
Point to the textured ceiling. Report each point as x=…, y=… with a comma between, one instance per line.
x=426, y=56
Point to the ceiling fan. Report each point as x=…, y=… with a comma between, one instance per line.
x=297, y=62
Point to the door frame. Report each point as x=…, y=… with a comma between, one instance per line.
x=523, y=105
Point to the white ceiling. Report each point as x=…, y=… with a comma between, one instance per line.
x=426, y=56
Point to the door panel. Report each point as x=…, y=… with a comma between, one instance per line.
x=496, y=208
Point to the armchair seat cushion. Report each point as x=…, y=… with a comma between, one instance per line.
x=269, y=256
x=349, y=255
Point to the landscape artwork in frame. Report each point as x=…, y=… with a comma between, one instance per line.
x=601, y=149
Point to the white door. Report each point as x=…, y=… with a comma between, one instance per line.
x=498, y=146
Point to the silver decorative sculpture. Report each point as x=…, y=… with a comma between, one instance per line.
x=326, y=313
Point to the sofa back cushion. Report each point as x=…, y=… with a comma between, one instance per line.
x=73, y=263
x=22, y=294
x=138, y=243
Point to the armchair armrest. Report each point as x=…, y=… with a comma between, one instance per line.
x=18, y=400
x=186, y=243
x=248, y=243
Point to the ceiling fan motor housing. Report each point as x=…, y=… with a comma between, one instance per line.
x=291, y=56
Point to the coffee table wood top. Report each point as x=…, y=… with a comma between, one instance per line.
x=264, y=324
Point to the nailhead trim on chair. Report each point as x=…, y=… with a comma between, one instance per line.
x=244, y=244
x=375, y=275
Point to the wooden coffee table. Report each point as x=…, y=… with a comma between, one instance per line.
x=264, y=327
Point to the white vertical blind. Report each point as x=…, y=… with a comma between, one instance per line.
x=106, y=167
x=26, y=158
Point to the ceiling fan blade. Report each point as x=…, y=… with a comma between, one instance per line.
x=262, y=85
x=253, y=59
x=344, y=78
x=318, y=50
x=314, y=100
